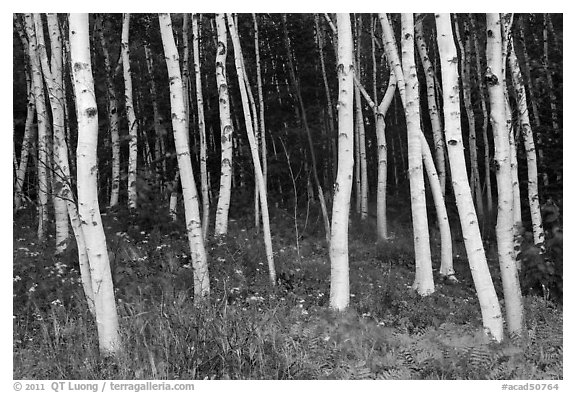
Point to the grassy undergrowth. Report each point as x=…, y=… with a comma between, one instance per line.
x=249, y=330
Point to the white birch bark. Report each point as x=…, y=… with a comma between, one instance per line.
x=52, y=71
x=89, y=211
x=533, y=104
x=226, y=129
x=531, y=157
x=339, y=277
x=253, y=149
x=505, y=222
x=439, y=147
x=423, y=282
x=489, y=306
x=42, y=119
x=201, y=127
x=189, y=195
x=132, y=124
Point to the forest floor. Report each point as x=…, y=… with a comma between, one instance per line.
x=250, y=330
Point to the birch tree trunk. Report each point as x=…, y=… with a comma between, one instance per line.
x=253, y=148
x=363, y=164
x=527, y=136
x=262, y=133
x=112, y=118
x=52, y=71
x=227, y=130
x=423, y=273
x=489, y=306
x=380, y=113
x=89, y=211
x=201, y=127
x=189, y=195
x=505, y=222
x=439, y=147
x=533, y=105
x=339, y=276
x=42, y=118
x=424, y=282
x=132, y=124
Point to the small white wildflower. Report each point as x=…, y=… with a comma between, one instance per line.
x=33, y=288
x=17, y=278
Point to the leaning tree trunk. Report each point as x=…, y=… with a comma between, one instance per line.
x=439, y=147
x=253, y=149
x=89, y=210
x=41, y=115
x=132, y=124
x=489, y=306
x=339, y=277
x=527, y=136
x=112, y=118
x=189, y=195
x=505, y=223
x=227, y=130
x=201, y=127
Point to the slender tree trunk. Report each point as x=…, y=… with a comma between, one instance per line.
x=52, y=71
x=527, y=136
x=298, y=93
x=253, y=148
x=227, y=130
x=339, y=281
x=465, y=54
x=489, y=306
x=186, y=83
x=201, y=127
x=132, y=124
x=424, y=282
x=89, y=211
x=42, y=123
x=262, y=133
x=481, y=88
x=517, y=214
x=439, y=147
x=505, y=223
x=112, y=118
x=534, y=106
x=362, y=153
x=189, y=195
x=380, y=113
